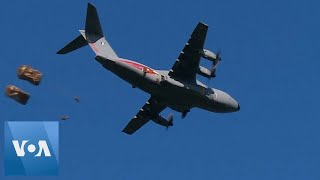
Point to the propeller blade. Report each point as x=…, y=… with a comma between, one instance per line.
x=218, y=57
x=170, y=120
x=214, y=64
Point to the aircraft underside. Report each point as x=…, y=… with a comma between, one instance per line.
x=177, y=88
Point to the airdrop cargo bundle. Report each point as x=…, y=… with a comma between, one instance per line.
x=17, y=94
x=29, y=74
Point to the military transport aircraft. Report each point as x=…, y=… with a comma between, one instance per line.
x=177, y=88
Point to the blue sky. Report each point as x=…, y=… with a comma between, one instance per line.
x=270, y=52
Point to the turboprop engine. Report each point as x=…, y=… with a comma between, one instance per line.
x=204, y=72
x=209, y=55
x=215, y=58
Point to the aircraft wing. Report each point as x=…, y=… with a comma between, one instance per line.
x=151, y=109
x=187, y=64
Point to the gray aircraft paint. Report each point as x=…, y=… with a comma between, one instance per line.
x=165, y=90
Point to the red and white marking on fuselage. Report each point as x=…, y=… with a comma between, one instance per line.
x=93, y=46
x=137, y=65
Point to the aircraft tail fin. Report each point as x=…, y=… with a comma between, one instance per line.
x=92, y=21
x=92, y=35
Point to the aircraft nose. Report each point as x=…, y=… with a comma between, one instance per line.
x=235, y=106
x=229, y=103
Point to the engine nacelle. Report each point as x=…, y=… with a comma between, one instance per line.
x=204, y=72
x=208, y=55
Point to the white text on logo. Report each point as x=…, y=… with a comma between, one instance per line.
x=42, y=144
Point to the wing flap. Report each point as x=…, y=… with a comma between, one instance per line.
x=135, y=124
x=150, y=110
x=187, y=64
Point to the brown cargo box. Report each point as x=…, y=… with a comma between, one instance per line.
x=29, y=74
x=17, y=94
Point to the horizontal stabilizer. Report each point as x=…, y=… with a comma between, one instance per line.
x=73, y=45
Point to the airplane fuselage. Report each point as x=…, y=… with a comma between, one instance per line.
x=177, y=94
x=177, y=89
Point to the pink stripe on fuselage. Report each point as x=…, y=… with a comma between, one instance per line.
x=139, y=66
x=93, y=46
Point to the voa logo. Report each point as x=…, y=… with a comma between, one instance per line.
x=42, y=147
x=31, y=148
